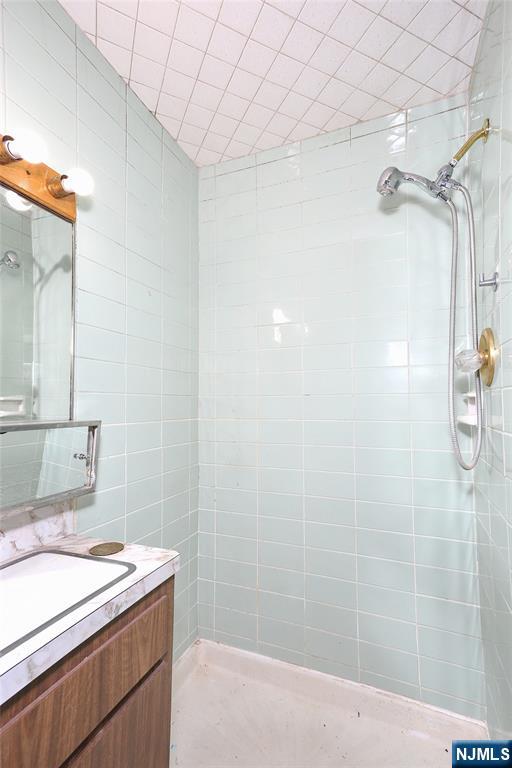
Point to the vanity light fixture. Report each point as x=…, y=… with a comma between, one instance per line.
x=76, y=181
x=16, y=202
x=26, y=146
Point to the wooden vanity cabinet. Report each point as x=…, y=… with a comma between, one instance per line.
x=105, y=705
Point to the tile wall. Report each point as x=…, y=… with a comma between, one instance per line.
x=336, y=530
x=491, y=96
x=136, y=345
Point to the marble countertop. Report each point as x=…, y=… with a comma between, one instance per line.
x=31, y=658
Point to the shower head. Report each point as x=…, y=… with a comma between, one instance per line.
x=10, y=260
x=391, y=178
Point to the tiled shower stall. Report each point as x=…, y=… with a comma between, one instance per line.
x=265, y=341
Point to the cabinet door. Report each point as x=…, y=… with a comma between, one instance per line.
x=137, y=734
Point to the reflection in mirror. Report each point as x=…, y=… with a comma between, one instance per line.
x=35, y=464
x=36, y=258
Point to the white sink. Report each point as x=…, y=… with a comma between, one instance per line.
x=40, y=588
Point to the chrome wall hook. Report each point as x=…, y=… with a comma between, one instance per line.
x=489, y=282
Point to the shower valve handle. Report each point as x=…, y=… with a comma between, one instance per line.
x=469, y=360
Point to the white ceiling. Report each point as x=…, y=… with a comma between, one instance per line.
x=231, y=77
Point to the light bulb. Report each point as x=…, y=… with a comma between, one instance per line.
x=29, y=146
x=16, y=201
x=78, y=181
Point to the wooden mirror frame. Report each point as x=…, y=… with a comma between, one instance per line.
x=34, y=181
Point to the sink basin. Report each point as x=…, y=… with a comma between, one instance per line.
x=40, y=588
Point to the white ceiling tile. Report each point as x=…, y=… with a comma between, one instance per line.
x=334, y=93
x=295, y=105
x=193, y=28
x=128, y=7
x=320, y=14
x=171, y=106
x=281, y=124
x=284, y=71
x=310, y=82
x=351, y=24
x=432, y=18
x=207, y=157
x=206, y=95
x=246, y=133
x=148, y=95
x=478, y=7
x=198, y=116
x=215, y=72
x=115, y=27
x=290, y=7
x=258, y=116
x=170, y=124
x=224, y=126
x=318, y=114
x=302, y=131
x=401, y=12
x=151, y=43
x=233, y=106
x=178, y=84
x=185, y=59
x=449, y=76
x=463, y=86
x=358, y=103
x=256, y=58
x=120, y=58
x=379, y=37
x=244, y=84
x=215, y=142
x=147, y=72
x=427, y=64
x=379, y=109
x=468, y=52
x=379, y=79
x=83, y=14
x=191, y=134
x=339, y=120
x=231, y=77
x=401, y=91
x=237, y=149
x=424, y=96
x=356, y=67
x=373, y=5
x=272, y=27
x=190, y=149
x=329, y=56
x=209, y=8
x=458, y=32
x=269, y=140
x=240, y=15
x=302, y=42
x=161, y=15
x=226, y=44
x=403, y=51
x=270, y=95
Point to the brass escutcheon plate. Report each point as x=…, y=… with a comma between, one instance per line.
x=488, y=350
x=106, y=548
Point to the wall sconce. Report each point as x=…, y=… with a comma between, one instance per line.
x=76, y=181
x=26, y=146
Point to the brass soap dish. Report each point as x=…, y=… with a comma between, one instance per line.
x=106, y=548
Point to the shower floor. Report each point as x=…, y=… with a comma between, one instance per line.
x=232, y=708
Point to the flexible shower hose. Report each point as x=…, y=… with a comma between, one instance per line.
x=474, y=329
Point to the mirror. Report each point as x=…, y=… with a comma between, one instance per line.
x=36, y=317
x=45, y=463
